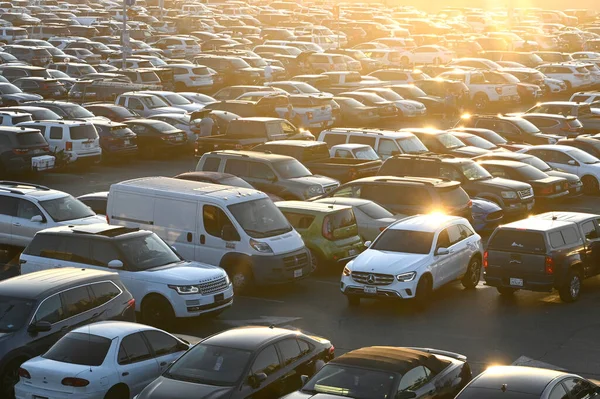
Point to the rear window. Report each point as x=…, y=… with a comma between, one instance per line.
x=344, y=218
x=454, y=198
x=299, y=220
x=574, y=123
x=80, y=348
x=518, y=241
x=85, y=132
x=32, y=138
x=19, y=119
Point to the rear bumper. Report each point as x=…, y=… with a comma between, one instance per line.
x=23, y=391
x=543, y=284
x=283, y=268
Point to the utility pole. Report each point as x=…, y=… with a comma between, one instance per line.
x=124, y=32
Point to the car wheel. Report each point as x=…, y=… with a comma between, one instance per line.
x=157, y=311
x=481, y=101
x=571, y=289
x=507, y=291
x=590, y=185
x=471, y=278
x=424, y=289
x=316, y=263
x=241, y=278
x=117, y=392
x=353, y=301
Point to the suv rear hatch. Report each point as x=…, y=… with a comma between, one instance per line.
x=84, y=139
x=340, y=225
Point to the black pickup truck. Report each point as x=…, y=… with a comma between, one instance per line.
x=315, y=156
x=245, y=133
x=554, y=250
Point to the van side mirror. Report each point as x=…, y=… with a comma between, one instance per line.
x=256, y=380
x=115, y=264
x=406, y=395
x=37, y=219
x=229, y=233
x=40, y=326
x=442, y=251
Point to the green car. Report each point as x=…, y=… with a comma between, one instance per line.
x=329, y=231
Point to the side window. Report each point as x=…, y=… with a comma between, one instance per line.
x=558, y=392
x=215, y=220
x=414, y=379
x=556, y=239
x=558, y=157
x=589, y=230
x=236, y=167
x=50, y=310
x=304, y=347
x=56, y=133
x=260, y=171
x=578, y=388
x=290, y=351
x=135, y=104
x=342, y=154
x=121, y=101
x=387, y=148
x=465, y=231
x=454, y=234
x=449, y=172
x=102, y=252
x=77, y=300
x=76, y=250
x=266, y=362
x=161, y=343
x=104, y=292
x=570, y=236
x=334, y=139
x=8, y=206
x=362, y=140
x=211, y=164
x=133, y=349
x=443, y=240
x=27, y=210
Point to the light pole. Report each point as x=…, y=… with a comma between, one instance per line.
x=124, y=32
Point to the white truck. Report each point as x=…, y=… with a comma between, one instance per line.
x=482, y=92
x=353, y=151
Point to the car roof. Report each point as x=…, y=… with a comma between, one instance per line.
x=40, y=284
x=550, y=116
x=31, y=190
x=294, y=143
x=249, y=338
x=390, y=358
x=502, y=162
x=527, y=380
x=343, y=201
x=253, y=155
x=216, y=176
x=96, y=195
x=425, y=223
x=310, y=206
x=566, y=216
x=112, y=329
x=534, y=224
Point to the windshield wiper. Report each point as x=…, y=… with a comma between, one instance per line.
x=255, y=232
x=280, y=231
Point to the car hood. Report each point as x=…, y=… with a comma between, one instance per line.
x=189, y=107
x=569, y=176
x=546, y=180
x=469, y=151
x=314, y=179
x=22, y=97
x=373, y=260
x=166, y=110
x=163, y=388
x=185, y=273
x=430, y=99
x=481, y=205
x=302, y=395
x=498, y=182
x=88, y=220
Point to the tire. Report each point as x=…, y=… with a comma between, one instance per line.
x=506, y=291
x=241, y=277
x=9, y=378
x=117, y=392
x=424, y=289
x=157, y=311
x=317, y=264
x=571, y=289
x=353, y=301
x=471, y=278
x=481, y=101
x=405, y=61
x=590, y=185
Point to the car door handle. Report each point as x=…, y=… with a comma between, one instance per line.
x=22, y=261
x=125, y=374
x=64, y=328
x=16, y=224
x=202, y=238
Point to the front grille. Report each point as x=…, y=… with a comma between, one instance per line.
x=527, y=193
x=330, y=188
x=214, y=286
x=295, y=261
x=372, y=278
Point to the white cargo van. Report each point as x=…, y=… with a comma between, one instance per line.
x=239, y=229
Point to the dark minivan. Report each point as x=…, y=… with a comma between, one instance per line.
x=39, y=308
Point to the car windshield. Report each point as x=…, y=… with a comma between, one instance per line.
x=583, y=156
x=177, y=99
x=66, y=208
x=210, y=365
x=473, y=171
x=9, y=89
x=153, y=102
x=354, y=382
x=58, y=74
x=526, y=126
x=79, y=348
x=406, y=241
x=481, y=143
x=14, y=313
x=412, y=145
x=375, y=211
x=291, y=169
x=449, y=141
x=146, y=252
x=412, y=91
x=260, y=218
x=366, y=153
x=77, y=112
x=305, y=88
x=530, y=173
x=389, y=95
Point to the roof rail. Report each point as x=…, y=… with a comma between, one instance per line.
x=20, y=184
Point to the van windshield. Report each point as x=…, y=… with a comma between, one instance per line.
x=146, y=252
x=412, y=145
x=260, y=218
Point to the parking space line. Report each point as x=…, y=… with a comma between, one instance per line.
x=260, y=299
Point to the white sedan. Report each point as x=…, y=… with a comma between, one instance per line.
x=429, y=55
x=105, y=360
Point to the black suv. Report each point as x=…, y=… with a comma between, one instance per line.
x=12, y=72
x=410, y=195
x=554, y=250
x=18, y=145
x=39, y=308
x=514, y=197
x=512, y=128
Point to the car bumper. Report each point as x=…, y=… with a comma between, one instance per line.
x=545, y=284
x=195, y=305
x=282, y=268
x=553, y=198
x=395, y=290
x=575, y=190
x=23, y=391
x=120, y=152
x=518, y=207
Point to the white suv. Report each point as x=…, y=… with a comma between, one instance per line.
x=27, y=208
x=413, y=257
x=163, y=285
x=575, y=76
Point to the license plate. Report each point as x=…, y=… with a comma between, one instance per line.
x=127, y=142
x=557, y=187
x=86, y=146
x=529, y=206
x=178, y=138
x=351, y=252
x=39, y=397
x=297, y=273
x=57, y=93
x=517, y=282
x=219, y=297
x=370, y=290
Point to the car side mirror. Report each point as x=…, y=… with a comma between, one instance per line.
x=256, y=380
x=442, y=251
x=406, y=395
x=37, y=219
x=573, y=162
x=40, y=326
x=229, y=233
x=272, y=178
x=115, y=264
x=368, y=244
x=304, y=379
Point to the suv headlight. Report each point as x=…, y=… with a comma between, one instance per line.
x=408, y=107
x=314, y=190
x=405, y=277
x=347, y=271
x=509, y=194
x=260, y=246
x=227, y=279
x=185, y=289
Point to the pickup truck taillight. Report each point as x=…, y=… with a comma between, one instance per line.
x=485, y=260
x=549, y=265
x=547, y=190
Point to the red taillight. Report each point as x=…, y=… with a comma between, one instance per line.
x=332, y=350
x=131, y=303
x=546, y=190
x=327, y=228
x=75, y=382
x=470, y=204
x=69, y=146
x=47, y=148
x=24, y=373
x=20, y=151
x=499, y=90
x=485, y=260
x=549, y=265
